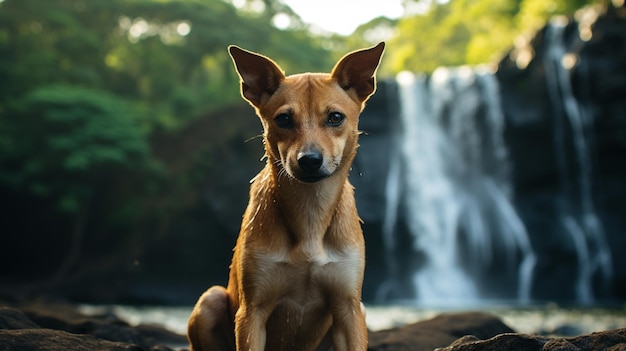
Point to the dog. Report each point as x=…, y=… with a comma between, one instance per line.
x=297, y=269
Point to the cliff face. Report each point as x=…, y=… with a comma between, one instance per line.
x=565, y=115
x=520, y=197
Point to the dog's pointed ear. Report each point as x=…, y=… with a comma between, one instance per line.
x=260, y=76
x=356, y=71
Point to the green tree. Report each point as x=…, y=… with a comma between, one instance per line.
x=533, y=14
x=64, y=144
x=457, y=32
x=426, y=41
x=89, y=88
x=169, y=57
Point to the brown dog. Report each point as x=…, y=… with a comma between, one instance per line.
x=297, y=270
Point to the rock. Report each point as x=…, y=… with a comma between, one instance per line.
x=437, y=332
x=52, y=340
x=107, y=327
x=55, y=327
x=543, y=150
x=517, y=342
x=612, y=340
x=11, y=318
x=477, y=331
x=62, y=327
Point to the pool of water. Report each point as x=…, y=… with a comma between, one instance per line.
x=548, y=319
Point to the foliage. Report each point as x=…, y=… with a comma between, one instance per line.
x=457, y=32
x=169, y=57
x=59, y=139
x=85, y=89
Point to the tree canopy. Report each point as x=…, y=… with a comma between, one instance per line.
x=458, y=32
x=84, y=83
x=86, y=87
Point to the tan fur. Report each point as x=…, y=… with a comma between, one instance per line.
x=297, y=269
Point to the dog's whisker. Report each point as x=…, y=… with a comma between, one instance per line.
x=282, y=172
x=254, y=137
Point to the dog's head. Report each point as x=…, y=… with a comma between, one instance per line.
x=311, y=119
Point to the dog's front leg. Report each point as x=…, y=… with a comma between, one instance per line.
x=250, y=332
x=349, y=330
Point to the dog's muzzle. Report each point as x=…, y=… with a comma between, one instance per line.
x=310, y=167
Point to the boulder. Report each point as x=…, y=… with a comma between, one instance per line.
x=437, y=332
x=611, y=340
x=53, y=340
x=55, y=327
x=62, y=327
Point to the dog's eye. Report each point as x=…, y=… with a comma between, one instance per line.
x=335, y=119
x=284, y=120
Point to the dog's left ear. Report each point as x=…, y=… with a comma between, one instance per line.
x=260, y=76
x=356, y=71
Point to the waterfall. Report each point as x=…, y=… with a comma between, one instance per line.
x=578, y=216
x=449, y=181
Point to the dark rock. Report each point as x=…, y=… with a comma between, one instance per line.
x=517, y=342
x=438, y=332
x=465, y=340
x=107, y=327
x=52, y=340
x=607, y=340
x=62, y=327
x=542, y=148
x=12, y=318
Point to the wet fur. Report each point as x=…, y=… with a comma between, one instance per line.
x=297, y=269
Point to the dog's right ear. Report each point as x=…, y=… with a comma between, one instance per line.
x=260, y=76
x=356, y=71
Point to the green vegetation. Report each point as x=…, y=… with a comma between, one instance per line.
x=59, y=138
x=457, y=32
x=88, y=90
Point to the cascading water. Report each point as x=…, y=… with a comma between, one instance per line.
x=577, y=212
x=450, y=184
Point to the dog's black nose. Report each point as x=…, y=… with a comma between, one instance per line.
x=310, y=161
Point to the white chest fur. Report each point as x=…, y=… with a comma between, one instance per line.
x=305, y=273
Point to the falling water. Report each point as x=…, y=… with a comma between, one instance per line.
x=577, y=211
x=454, y=191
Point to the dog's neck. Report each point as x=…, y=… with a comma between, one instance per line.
x=308, y=208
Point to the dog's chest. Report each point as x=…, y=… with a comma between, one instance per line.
x=304, y=273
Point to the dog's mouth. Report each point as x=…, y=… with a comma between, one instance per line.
x=308, y=177
x=311, y=178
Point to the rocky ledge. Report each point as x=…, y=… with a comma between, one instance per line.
x=62, y=327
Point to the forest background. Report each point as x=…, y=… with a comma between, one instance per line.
x=94, y=93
